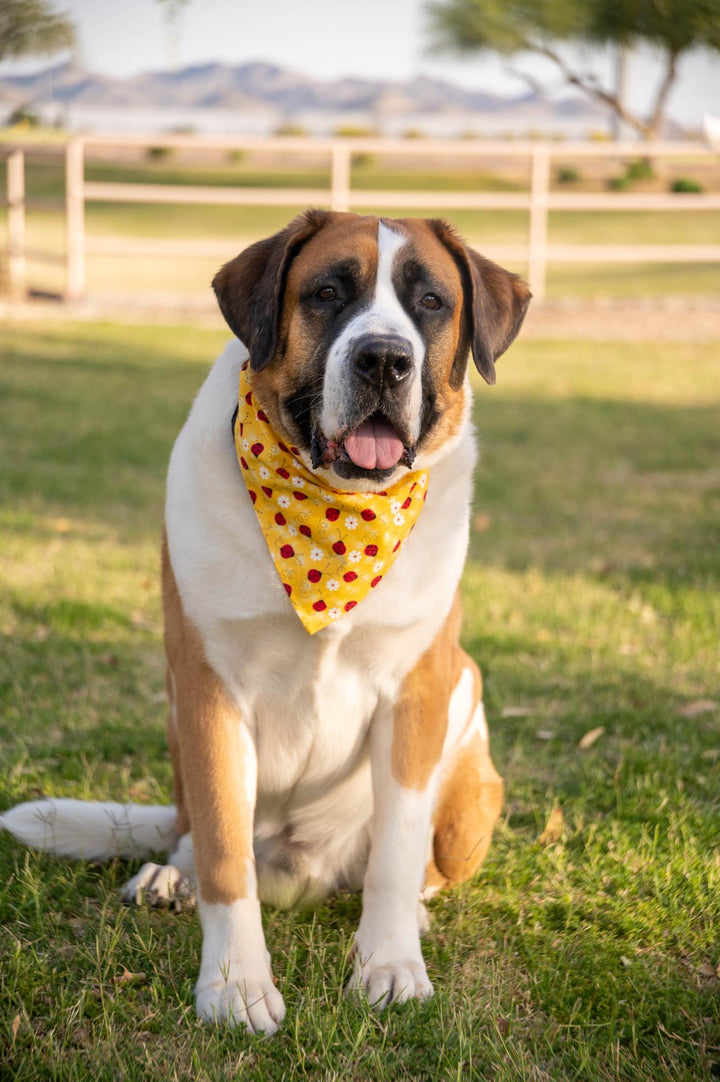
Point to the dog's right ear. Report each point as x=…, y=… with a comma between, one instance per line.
x=249, y=288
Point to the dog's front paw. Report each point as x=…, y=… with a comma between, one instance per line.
x=387, y=981
x=241, y=1000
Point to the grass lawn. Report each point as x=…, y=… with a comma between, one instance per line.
x=591, y=600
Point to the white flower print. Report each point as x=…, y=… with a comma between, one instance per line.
x=421, y=480
x=378, y=566
x=292, y=531
x=297, y=482
x=317, y=554
x=350, y=522
x=395, y=506
x=246, y=445
x=284, y=501
x=399, y=520
x=264, y=472
x=328, y=497
x=332, y=585
x=334, y=612
x=355, y=556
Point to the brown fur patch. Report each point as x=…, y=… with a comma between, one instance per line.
x=421, y=711
x=208, y=756
x=468, y=808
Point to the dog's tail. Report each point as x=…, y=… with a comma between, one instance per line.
x=87, y=830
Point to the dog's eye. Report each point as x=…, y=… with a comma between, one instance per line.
x=327, y=293
x=432, y=301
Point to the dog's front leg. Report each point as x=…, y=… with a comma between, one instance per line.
x=406, y=746
x=219, y=768
x=219, y=774
x=215, y=755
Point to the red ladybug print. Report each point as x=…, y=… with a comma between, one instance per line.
x=282, y=473
x=287, y=551
x=262, y=416
x=319, y=606
x=371, y=550
x=299, y=495
x=253, y=495
x=350, y=576
x=332, y=514
x=314, y=575
x=367, y=514
x=376, y=581
x=407, y=503
x=350, y=605
x=306, y=531
x=280, y=519
x=267, y=491
x=339, y=548
x=257, y=449
x=288, y=588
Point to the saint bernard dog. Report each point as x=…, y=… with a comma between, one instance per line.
x=325, y=726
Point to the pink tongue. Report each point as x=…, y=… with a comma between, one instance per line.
x=374, y=445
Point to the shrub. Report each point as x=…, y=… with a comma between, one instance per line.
x=640, y=169
x=685, y=184
x=23, y=116
x=618, y=184
x=566, y=174
x=355, y=131
x=158, y=154
x=289, y=128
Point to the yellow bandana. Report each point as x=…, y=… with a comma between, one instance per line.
x=330, y=548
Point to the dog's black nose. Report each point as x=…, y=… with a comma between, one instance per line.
x=382, y=359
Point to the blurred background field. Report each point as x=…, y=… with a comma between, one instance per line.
x=140, y=251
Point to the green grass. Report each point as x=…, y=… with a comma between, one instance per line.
x=591, y=599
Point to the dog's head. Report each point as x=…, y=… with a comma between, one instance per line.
x=359, y=331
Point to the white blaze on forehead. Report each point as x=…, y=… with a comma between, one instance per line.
x=383, y=315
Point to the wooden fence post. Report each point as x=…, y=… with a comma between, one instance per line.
x=340, y=178
x=75, y=218
x=15, y=181
x=537, y=242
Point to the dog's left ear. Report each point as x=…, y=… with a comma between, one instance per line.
x=249, y=288
x=495, y=299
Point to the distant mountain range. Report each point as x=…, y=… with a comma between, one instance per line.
x=259, y=97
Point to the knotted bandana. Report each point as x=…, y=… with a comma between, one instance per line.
x=330, y=548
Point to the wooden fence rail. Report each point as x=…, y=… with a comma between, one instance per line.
x=538, y=201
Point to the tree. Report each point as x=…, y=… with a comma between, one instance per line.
x=33, y=28
x=538, y=26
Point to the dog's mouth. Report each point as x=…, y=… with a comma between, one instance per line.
x=372, y=449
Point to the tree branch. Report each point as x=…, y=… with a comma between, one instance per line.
x=590, y=86
x=659, y=109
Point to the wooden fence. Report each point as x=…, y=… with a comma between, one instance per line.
x=537, y=201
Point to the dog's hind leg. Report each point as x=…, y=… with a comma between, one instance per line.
x=471, y=791
x=165, y=886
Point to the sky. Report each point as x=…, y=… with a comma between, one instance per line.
x=383, y=39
